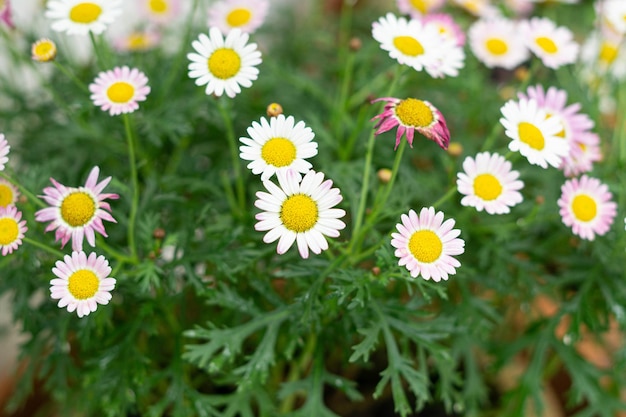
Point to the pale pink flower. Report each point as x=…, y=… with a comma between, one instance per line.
x=119, y=90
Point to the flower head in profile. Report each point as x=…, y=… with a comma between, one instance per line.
x=12, y=229
x=77, y=213
x=586, y=206
x=78, y=17
x=5, y=13
x=278, y=145
x=555, y=46
x=82, y=282
x=584, y=152
x=43, y=50
x=603, y=55
x=224, y=65
x=4, y=151
x=489, y=183
x=495, y=43
x=412, y=114
x=160, y=11
x=426, y=245
x=533, y=133
x=419, y=8
x=8, y=193
x=119, y=90
x=299, y=210
x=245, y=15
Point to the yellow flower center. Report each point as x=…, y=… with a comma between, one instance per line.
x=420, y=5
x=44, y=50
x=584, y=207
x=83, y=284
x=8, y=231
x=85, y=13
x=487, y=187
x=415, y=113
x=279, y=152
x=224, y=63
x=6, y=195
x=408, y=45
x=547, y=44
x=425, y=246
x=238, y=17
x=78, y=208
x=299, y=213
x=531, y=135
x=497, y=46
x=608, y=53
x=120, y=92
x=158, y=6
x=137, y=41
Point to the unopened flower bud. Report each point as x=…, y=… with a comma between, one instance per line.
x=158, y=233
x=44, y=50
x=274, y=109
x=540, y=199
x=355, y=44
x=384, y=175
x=455, y=149
x=376, y=271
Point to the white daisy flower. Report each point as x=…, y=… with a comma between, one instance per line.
x=489, y=183
x=278, y=145
x=12, y=229
x=614, y=11
x=450, y=60
x=299, y=210
x=555, y=46
x=160, y=11
x=5, y=148
x=409, y=41
x=78, y=17
x=480, y=8
x=224, y=65
x=82, y=282
x=246, y=15
x=419, y=8
x=496, y=43
x=426, y=245
x=533, y=134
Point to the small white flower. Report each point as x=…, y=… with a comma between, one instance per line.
x=77, y=17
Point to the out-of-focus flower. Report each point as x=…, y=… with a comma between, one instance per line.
x=426, y=245
x=78, y=17
x=584, y=152
x=489, y=183
x=533, y=134
x=82, y=282
x=12, y=229
x=43, y=50
x=614, y=13
x=419, y=8
x=245, y=15
x=520, y=7
x=479, y=8
x=77, y=213
x=224, y=65
x=119, y=90
x=555, y=46
x=5, y=13
x=299, y=210
x=8, y=193
x=446, y=26
x=160, y=11
x=586, y=206
x=409, y=115
x=279, y=145
x=136, y=41
x=603, y=55
x=4, y=151
x=496, y=43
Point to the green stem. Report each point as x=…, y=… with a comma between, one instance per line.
x=619, y=136
x=135, y=184
x=44, y=247
x=71, y=76
x=296, y=370
x=445, y=197
x=120, y=257
x=97, y=51
x=32, y=197
x=346, y=75
x=234, y=153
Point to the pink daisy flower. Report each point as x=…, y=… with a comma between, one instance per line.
x=12, y=229
x=410, y=115
x=4, y=151
x=76, y=213
x=426, y=245
x=5, y=13
x=118, y=90
x=160, y=11
x=245, y=15
x=82, y=282
x=584, y=152
x=8, y=193
x=419, y=8
x=446, y=26
x=555, y=46
x=586, y=207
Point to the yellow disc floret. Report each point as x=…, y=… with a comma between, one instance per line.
x=279, y=152
x=408, y=45
x=584, y=207
x=496, y=46
x=83, y=284
x=7, y=195
x=299, y=213
x=85, y=13
x=9, y=231
x=158, y=6
x=425, y=246
x=487, y=187
x=78, y=209
x=547, y=44
x=415, y=113
x=224, y=63
x=531, y=135
x=120, y=92
x=238, y=17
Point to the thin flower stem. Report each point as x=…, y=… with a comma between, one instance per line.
x=44, y=247
x=135, y=183
x=120, y=257
x=348, y=68
x=619, y=136
x=445, y=197
x=97, y=51
x=234, y=153
x=32, y=197
x=71, y=76
x=296, y=370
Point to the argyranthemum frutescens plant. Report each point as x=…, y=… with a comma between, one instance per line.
x=174, y=246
